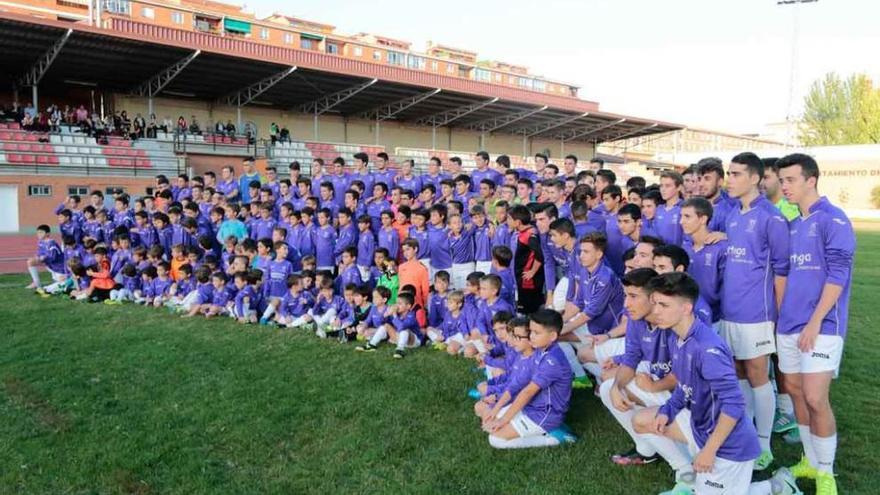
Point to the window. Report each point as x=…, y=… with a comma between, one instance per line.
x=482, y=75
x=333, y=48
x=177, y=17
x=497, y=77
x=450, y=68
x=306, y=44
x=414, y=62
x=77, y=190
x=264, y=34
x=39, y=190
x=288, y=38
x=148, y=12
x=377, y=55
x=434, y=65
x=540, y=85
x=396, y=58
x=149, y=191
x=113, y=190
x=358, y=51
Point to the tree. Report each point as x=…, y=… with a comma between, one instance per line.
x=838, y=111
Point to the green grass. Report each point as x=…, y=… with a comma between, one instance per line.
x=98, y=399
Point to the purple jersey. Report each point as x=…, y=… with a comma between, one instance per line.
x=94, y=230
x=221, y=297
x=324, y=239
x=822, y=249
x=385, y=176
x=161, y=287
x=707, y=268
x=757, y=251
x=550, y=372
x=228, y=187
x=296, y=305
x=120, y=258
x=261, y=228
x=478, y=175
x=453, y=325
x=276, y=277
x=462, y=247
x=376, y=317
x=407, y=322
x=145, y=236
x=485, y=312
x=707, y=386
x=667, y=223
x=721, y=208
x=413, y=183
x=646, y=344
x=390, y=240
x=131, y=284
x=340, y=185
x=600, y=296
x=617, y=244
x=71, y=229
x=349, y=275
x=205, y=293
x=367, y=178
x=424, y=244
x=437, y=312
x=374, y=210
x=482, y=243
x=51, y=255
x=366, y=246
x=348, y=236
x=441, y=254
x=508, y=285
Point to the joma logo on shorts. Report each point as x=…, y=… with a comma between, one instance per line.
x=763, y=342
x=715, y=484
x=821, y=355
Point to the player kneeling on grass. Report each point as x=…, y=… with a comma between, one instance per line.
x=129, y=286
x=534, y=417
x=641, y=378
x=503, y=359
x=294, y=307
x=453, y=330
x=722, y=439
x=222, y=297
x=402, y=329
x=245, y=302
x=49, y=254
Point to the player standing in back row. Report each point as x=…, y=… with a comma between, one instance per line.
x=754, y=281
x=813, y=318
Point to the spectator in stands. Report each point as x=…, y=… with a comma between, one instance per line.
x=219, y=128
x=597, y=164
x=81, y=114
x=182, y=126
x=31, y=111
x=249, y=132
x=152, y=126
x=285, y=134
x=273, y=132
x=230, y=129
x=68, y=116
x=140, y=126
x=194, y=127
x=55, y=118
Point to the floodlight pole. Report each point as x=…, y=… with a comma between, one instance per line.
x=792, y=74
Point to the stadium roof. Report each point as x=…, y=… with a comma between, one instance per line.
x=141, y=58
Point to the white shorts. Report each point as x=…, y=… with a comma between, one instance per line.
x=523, y=425
x=748, y=340
x=457, y=338
x=583, y=334
x=559, y=294
x=460, y=272
x=825, y=356
x=479, y=345
x=609, y=349
x=58, y=276
x=365, y=273
x=483, y=266
x=412, y=342
x=726, y=478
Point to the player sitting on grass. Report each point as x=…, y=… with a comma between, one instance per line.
x=402, y=328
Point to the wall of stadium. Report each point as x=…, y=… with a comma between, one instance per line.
x=336, y=129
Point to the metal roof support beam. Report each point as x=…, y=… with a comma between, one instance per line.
x=587, y=130
x=444, y=118
x=388, y=111
x=326, y=103
x=495, y=123
x=33, y=76
x=158, y=82
x=541, y=129
x=246, y=95
x=631, y=132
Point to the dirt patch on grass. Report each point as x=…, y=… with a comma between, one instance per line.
x=22, y=394
x=129, y=483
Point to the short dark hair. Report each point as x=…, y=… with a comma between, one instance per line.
x=632, y=210
x=482, y=154
x=547, y=318
x=639, y=277
x=609, y=175
x=675, y=284
x=520, y=213
x=563, y=226
x=597, y=239
x=753, y=164
x=710, y=165
x=503, y=255
x=809, y=167
x=701, y=206
x=676, y=254
x=362, y=157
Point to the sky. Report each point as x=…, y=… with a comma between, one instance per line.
x=720, y=65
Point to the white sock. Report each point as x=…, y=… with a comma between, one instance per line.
x=669, y=450
x=380, y=335
x=746, y=389
x=270, y=310
x=625, y=419
x=761, y=488
x=35, y=275
x=402, y=339
x=784, y=403
x=523, y=442
x=434, y=336
x=298, y=321
x=825, y=448
x=807, y=441
x=765, y=409
x=571, y=354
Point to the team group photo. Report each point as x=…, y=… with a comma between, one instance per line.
x=244, y=252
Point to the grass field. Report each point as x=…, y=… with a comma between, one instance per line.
x=97, y=399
